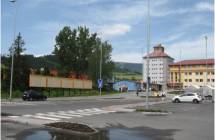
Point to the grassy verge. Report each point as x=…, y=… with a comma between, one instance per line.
x=177, y=92
x=6, y=95
x=152, y=96
x=127, y=76
x=150, y=110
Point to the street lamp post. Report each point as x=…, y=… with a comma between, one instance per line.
x=147, y=63
x=206, y=63
x=100, y=88
x=12, y=49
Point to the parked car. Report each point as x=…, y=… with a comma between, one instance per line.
x=187, y=97
x=31, y=95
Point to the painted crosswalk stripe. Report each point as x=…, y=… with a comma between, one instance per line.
x=54, y=116
x=14, y=116
x=27, y=115
x=79, y=113
x=66, y=113
x=46, y=118
x=94, y=111
x=69, y=114
x=98, y=111
x=91, y=111
x=103, y=111
x=40, y=117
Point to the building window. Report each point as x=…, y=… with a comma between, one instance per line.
x=185, y=80
x=190, y=80
x=201, y=80
x=208, y=80
x=212, y=80
x=197, y=80
x=190, y=73
x=201, y=73
x=197, y=73
x=212, y=73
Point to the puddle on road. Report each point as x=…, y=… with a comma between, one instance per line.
x=107, y=134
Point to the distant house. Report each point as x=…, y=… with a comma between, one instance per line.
x=125, y=86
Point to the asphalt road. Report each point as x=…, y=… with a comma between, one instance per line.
x=188, y=121
x=53, y=106
x=19, y=107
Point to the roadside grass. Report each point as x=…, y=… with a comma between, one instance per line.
x=60, y=93
x=152, y=96
x=176, y=92
x=150, y=110
x=6, y=94
x=127, y=76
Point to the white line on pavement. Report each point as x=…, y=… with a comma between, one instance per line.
x=46, y=118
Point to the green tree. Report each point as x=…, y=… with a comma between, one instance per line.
x=79, y=51
x=21, y=69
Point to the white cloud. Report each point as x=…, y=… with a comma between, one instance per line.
x=191, y=49
x=132, y=57
x=114, y=30
x=170, y=38
x=204, y=6
x=35, y=3
x=50, y=26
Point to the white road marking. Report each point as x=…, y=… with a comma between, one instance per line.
x=79, y=113
x=27, y=115
x=14, y=116
x=53, y=115
x=46, y=118
x=69, y=114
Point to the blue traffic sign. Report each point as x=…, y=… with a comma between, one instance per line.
x=100, y=83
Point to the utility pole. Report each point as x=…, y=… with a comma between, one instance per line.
x=100, y=88
x=206, y=63
x=12, y=49
x=147, y=61
x=180, y=71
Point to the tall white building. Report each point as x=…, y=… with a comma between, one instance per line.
x=159, y=63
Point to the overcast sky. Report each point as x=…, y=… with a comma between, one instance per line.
x=176, y=24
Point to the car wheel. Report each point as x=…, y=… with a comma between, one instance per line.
x=30, y=99
x=195, y=101
x=177, y=101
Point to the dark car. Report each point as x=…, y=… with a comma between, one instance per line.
x=31, y=95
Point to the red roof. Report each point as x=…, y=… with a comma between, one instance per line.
x=194, y=62
x=158, y=54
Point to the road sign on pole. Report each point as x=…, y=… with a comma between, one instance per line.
x=100, y=83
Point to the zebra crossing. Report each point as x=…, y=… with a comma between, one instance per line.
x=60, y=115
